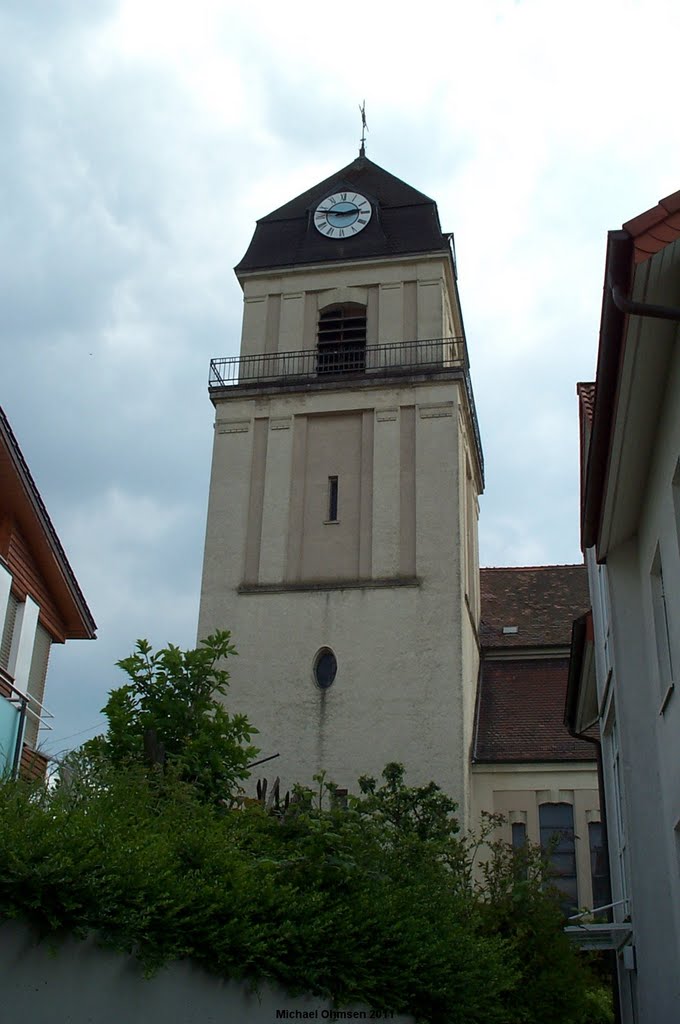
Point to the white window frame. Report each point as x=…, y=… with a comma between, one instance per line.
x=662, y=635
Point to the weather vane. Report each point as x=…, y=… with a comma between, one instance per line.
x=364, y=129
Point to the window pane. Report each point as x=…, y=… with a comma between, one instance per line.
x=598, y=865
x=557, y=839
x=519, y=842
x=519, y=835
x=333, y=499
x=325, y=669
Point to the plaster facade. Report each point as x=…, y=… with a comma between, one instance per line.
x=371, y=586
x=406, y=300
x=631, y=530
x=517, y=791
x=387, y=577
x=79, y=982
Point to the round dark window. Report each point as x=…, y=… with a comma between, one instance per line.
x=325, y=668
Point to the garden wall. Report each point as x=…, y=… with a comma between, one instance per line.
x=70, y=982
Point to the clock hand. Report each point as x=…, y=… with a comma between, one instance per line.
x=340, y=213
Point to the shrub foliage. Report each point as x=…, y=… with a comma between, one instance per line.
x=374, y=902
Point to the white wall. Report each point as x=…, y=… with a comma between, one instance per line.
x=62, y=981
x=407, y=657
x=637, y=685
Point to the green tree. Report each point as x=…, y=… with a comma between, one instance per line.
x=169, y=718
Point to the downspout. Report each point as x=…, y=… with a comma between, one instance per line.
x=633, y=308
x=578, y=640
x=617, y=272
x=616, y=1001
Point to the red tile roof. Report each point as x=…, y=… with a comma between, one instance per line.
x=541, y=601
x=521, y=711
x=655, y=228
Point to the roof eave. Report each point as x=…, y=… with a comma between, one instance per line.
x=83, y=615
x=581, y=675
x=618, y=273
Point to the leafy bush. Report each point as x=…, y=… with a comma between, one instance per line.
x=146, y=844
x=345, y=904
x=316, y=901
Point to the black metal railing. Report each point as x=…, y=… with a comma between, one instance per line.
x=328, y=361
x=348, y=360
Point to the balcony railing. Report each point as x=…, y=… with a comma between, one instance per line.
x=345, y=361
x=16, y=710
x=331, y=361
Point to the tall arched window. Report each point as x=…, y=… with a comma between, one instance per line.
x=341, y=339
x=556, y=823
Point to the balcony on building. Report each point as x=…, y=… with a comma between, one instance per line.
x=340, y=360
x=22, y=717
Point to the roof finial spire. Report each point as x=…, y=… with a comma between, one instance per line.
x=364, y=129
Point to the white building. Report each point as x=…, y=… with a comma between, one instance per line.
x=626, y=656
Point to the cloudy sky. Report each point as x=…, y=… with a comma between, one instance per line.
x=141, y=139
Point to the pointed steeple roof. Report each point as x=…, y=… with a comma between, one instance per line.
x=404, y=221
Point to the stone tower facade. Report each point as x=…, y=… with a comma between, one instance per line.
x=341, y=545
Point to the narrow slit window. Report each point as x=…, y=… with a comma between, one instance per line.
x=519, y=835
x=519, y=849
x=332, y=499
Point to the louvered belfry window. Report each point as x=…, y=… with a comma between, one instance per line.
x=342, y=339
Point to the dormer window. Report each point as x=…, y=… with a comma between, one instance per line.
x=341, y=339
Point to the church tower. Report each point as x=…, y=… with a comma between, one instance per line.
x=341, y=545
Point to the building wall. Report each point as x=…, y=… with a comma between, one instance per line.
x=638, y=669
x=28, y=579
x=636, y=616
x=407, y=299
x=517, y=790
x=24, y=644
x=80, y=983
x=385, y=590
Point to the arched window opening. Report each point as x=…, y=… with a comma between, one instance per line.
x=342, y=339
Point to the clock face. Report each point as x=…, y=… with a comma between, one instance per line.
x=342, y=215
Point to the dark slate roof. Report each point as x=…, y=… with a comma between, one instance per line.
x=404, y=221
x=542, y=601
x=521, y=712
